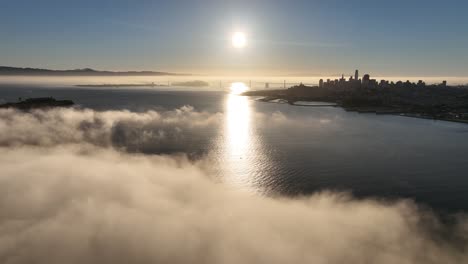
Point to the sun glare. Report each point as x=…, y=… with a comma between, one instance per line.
x=239, y=40
x=238, y=88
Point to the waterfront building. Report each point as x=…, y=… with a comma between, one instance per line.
x=365, y=81
x=421, y=83
x=383, y=84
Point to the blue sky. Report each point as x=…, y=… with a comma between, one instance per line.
x=411, y=38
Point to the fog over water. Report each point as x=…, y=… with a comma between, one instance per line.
x=258, y=82
x=149, y=175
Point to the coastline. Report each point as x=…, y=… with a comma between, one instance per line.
x=361, y=109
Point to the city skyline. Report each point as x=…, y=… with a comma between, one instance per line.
x=300, y=38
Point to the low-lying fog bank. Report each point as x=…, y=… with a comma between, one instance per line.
x=73, y=189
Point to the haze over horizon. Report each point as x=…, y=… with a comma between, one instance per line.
x=395, y=38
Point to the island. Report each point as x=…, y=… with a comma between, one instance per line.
x=115, y=85
x=366, y=95
x=33, y=103
x=152, y=84
x=191, y=84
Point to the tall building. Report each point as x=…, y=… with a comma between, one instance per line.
x=365, y=81
x=356, y=75
x=321, y=83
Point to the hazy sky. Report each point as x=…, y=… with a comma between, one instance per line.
x=400, y=37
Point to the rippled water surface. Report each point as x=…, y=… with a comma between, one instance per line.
x=279, y=148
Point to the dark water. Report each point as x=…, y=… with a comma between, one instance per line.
x=278, y=148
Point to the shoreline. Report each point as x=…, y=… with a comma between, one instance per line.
x=364, y=110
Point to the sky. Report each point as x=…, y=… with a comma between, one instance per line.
x=303, y=37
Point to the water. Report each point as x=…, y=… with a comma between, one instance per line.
x=292, y=150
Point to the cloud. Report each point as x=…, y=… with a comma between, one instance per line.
x=149, y=132
x=178, y=130
x=73, y=197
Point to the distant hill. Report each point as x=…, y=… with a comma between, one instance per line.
x=14, y=71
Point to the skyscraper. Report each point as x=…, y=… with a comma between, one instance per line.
x=356, y=75
x=365, y=80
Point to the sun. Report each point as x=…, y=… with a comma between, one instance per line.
x=239, y=40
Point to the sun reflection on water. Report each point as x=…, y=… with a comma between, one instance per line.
x=238, y=140
x=240, y=152
x=238, y=88
x=237, y=124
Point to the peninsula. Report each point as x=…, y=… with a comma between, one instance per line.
x=366, y=95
